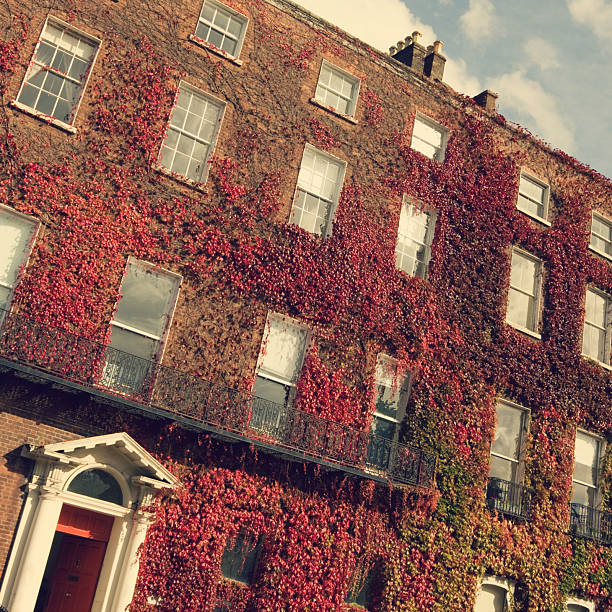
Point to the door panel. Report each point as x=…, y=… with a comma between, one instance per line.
x=76, y=575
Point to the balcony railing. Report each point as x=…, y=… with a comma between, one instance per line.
x=203, y=404
x=509, y=498
x=587, y=522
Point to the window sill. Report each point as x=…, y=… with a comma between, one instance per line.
x=599, y=363
x=525, y=331
x=42, y=117
x=179, y=178
x=535, y=218
x=333, y=111
x=598, y=252
x=220, y=52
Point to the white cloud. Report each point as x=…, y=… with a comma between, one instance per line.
x=536, y=108
x=457, y=76
x=380, y=23
x=594, y=14
x=541, y=53
x=479, y=22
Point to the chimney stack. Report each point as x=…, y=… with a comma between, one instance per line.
x=435, y=61
x=487, y=99
x=430, y=62
x=410, y=52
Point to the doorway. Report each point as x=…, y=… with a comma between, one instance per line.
x=73, y=567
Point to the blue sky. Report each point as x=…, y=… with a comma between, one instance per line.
x=549, y=60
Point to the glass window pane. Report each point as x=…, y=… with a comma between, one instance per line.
x=502, y=468
x=271, y=391
x=131, y=343
x=283, y=348
x=15, y=237
x=147, y=297
x=239, y=558
x=586, y=458
x=531, y=189
x=508, y=431
x=97, y=484
x=490, y=599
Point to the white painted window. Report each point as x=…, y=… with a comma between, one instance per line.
x=221, y=27
x=601, y=235
x=429, y=138
x=58, y=72
x=587, y=454
x=139, y=327
x=282, y=353
x=337, y=89
x=524, y=292
x=596, y=335
x=494, y=595
x=532, y=197
x=17, y=234
x=192, y=133
x=415, y=235
x=318, y=189
x=507, y=445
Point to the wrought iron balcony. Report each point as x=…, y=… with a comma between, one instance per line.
x=509, y=498
x=587, y=522
x=120, y=378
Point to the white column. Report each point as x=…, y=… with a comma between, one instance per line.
x=36, y=553
x=129, y=569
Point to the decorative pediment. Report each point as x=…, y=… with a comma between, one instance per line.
x=89, y=450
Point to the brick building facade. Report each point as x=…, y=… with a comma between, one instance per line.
x=350, y=329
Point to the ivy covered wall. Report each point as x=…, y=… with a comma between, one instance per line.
x=100, y=199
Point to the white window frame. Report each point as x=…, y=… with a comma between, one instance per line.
x=444, y=131
x=410, y=207
x=161, y=339
x=290, y=384
x=537, y=297
x=605, y=221
x=601, y=449
x=352, y=79
x=579, y=601
x=333, y=203
x=504, y=583
x=239, y=40
x=546, y=197
x=211, y=146
x=607, y=329
x=68, y=127
x=524, y=429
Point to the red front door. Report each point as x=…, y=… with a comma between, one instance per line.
x=76, y=574
x=84, y=535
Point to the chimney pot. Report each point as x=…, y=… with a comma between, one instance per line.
x=392, y=50
x=416, y=35
x=487, y=99
x=400, y=45
x=437, y=46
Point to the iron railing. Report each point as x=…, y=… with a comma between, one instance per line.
x=206, y=404
x=587, y=522
x=509, y=498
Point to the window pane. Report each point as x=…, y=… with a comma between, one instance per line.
x=282, y=349
x=531, y=189
x=132, y=343
x=97, y=484
x=391, y=387
x=491, y=599
x=508, y=431
x=147, y=297
x=503, y=468
x=586, y=458
x=596, y=308
x=15, y=237
x=576, y=608
x=239, y=558
x=520, y=309
x=414, y=237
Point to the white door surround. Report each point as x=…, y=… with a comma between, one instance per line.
x=139, y=476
